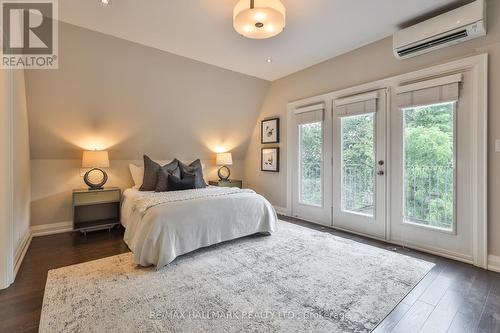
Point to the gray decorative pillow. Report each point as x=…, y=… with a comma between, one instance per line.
x=196, y=169
x=177, y=184
x=162, y=183
x=151, y=170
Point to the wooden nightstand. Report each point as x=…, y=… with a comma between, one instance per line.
x=227, y=183
x=96, y=209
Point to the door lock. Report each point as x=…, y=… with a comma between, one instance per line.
x=380, y=162
x=381, y=173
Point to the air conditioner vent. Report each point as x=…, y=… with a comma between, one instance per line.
x=456, y=26
x=443, y=40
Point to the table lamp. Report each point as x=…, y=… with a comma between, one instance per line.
x=223, y=160
x=95, y=178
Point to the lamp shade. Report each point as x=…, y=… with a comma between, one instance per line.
x=95, y=159
x=259, y=19
x=224, y=159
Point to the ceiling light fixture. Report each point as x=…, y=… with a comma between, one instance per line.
x=105, y=2
x=269, y=60
x=259, y=19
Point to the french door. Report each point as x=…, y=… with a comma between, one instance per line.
x=431, y=159
x=311, y=183
x=359, y=163
x=405, y=163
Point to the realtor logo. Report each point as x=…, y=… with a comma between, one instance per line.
x=29, y=36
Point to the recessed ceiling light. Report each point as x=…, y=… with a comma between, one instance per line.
x=269, y=60
x=105, y=2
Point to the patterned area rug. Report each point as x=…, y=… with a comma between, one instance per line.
x=296, y=280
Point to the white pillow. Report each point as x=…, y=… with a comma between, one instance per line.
x=137, y=175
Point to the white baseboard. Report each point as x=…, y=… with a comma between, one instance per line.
x=281, y=210
x=34, y=231
x=51, y=229
x=435, y=251
x=494, y=263
x=21, y=251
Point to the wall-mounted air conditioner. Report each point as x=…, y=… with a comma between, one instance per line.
x=459, y=25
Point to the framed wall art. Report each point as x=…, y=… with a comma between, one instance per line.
x=270, y=131
x=270, y=159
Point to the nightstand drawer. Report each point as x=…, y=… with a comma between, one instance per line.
x=227, y=183
x=97, y=197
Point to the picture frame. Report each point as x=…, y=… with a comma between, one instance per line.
x=270, y=159
x=270, y=131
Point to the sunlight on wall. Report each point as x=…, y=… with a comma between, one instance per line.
x=84, y=136
x=94, y=142
x=221, y=146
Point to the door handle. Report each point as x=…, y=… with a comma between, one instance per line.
x=381, y=173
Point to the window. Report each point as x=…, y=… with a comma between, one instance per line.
x=358, y=161
x=311, y=163
x=429, y=165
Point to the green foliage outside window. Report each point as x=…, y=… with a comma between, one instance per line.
x=358, y=161
x=311, y=159
x=429, y=165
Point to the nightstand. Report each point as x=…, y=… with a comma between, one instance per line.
x=96, y=209
x=227, y=183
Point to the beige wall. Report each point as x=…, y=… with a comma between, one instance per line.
x=21, y=160
x=370, y=63
x=113, y=94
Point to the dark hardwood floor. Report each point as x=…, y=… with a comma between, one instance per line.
x=453, y=297
x=21, y=303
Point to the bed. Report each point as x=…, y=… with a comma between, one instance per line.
x=162, y=226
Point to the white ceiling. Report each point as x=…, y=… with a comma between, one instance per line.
x=202, y=29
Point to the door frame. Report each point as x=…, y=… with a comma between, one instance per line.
x=478, y=66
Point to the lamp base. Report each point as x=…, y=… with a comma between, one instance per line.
x=95, y=186
x=224, y=173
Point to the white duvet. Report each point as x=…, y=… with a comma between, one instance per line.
x=162, y=226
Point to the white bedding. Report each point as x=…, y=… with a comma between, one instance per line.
x=162, y=226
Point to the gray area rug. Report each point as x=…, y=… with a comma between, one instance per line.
x=296, y=280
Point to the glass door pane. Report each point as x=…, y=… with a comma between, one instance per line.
x=358, y=164
x=310, y=164
x=429, y=165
